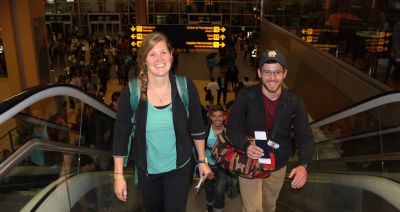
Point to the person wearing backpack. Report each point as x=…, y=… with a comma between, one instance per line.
x=214, y=186
x=165, y=130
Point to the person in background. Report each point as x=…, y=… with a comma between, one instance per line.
x=212, y=87
x=211, y=63
x=270, y=109
x=5, y=154
x=223, y=87
x=105, y=125
x=215, y=184
x=164, y=137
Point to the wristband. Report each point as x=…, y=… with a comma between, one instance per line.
x=203, y=161
x=119, y=177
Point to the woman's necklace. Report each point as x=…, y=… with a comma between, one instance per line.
x=160, y=97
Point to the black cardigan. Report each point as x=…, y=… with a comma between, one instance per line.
x=186, y=129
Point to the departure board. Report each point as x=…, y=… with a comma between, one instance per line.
x=183, y=36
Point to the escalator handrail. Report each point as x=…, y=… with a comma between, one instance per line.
x=35, y=120
x=360, y=158
x=15, y=104
x=23, y=152
x=359, y=136
x=369, y=103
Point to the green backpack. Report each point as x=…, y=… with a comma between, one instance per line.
x=134, y=89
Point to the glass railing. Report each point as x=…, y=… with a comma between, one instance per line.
x=55, y=145
x=74, y=179
x=58, y=113
x=356, y=164
x=361, y=139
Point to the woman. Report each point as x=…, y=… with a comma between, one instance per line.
x=164, y=136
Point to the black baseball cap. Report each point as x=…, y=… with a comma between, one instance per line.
x=272, y=55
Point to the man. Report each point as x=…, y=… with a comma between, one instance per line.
x=214, y=186
x=272, y=110
x=223, y=87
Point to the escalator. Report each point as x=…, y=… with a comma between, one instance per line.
x=53, y=165
x=356, y=165
x=356, y=157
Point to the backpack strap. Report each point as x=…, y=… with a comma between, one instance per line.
x=134, y=89
x=181, y=84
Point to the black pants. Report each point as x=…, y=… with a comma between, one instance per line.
x=166, y=192
x=215, y=189
x=222, y=91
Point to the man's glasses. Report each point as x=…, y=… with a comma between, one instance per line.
x=268, y=73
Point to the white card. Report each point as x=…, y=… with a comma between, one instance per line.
x=197, y=188
x=264, y=160
x=260, y=135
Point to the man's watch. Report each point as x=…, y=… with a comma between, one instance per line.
x=203, y=161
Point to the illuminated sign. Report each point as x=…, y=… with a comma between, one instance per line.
x=58, y=18
x=376, y=42
x=183, y=36
x=324, y=39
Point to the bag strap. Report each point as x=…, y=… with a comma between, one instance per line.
x=134, y=89
x=181, y=84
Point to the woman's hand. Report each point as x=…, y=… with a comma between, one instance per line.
x=120, y=189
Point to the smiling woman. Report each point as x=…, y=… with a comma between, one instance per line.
x=164, y=135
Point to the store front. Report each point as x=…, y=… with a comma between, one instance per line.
x=104, y=24
x=59, y=23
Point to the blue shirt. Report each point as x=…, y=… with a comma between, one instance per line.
x=210, y=143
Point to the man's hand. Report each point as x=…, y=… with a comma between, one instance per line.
x=204, y=170
x=300, y=176
x=211, y=176
x=254, y=152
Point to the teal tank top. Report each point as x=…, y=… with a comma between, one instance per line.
x=160, y=139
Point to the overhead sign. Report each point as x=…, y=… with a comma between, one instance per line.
x=58, y=18
x=103, y=17
x=324, y=39
x=183, y=36
x=377, y=42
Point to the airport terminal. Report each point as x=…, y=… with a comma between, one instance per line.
x=62, y=63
